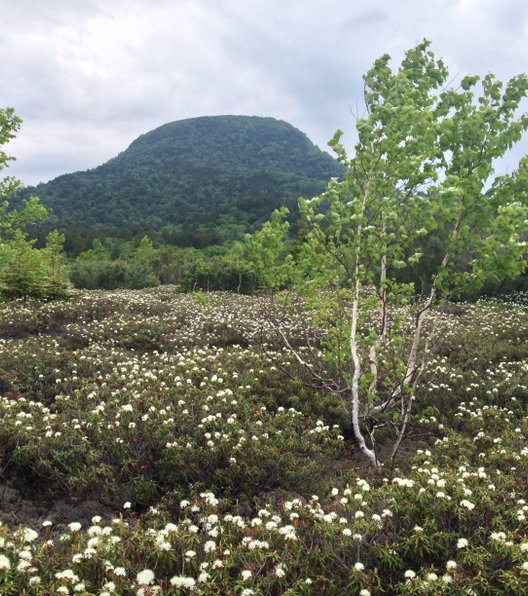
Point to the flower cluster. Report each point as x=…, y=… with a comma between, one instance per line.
x=217, y=473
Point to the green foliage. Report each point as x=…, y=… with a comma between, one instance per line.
x=225, y=268
x=134, y=267
x=25, y=272
x=422, y=174
x=110, y=275
x=145, y=251
x=197, y=182
x=23, y=269
x=230, y=270
x=269, y=251
x=234, y=480
x=139, y=274
x=9, y=126
x=423, y=163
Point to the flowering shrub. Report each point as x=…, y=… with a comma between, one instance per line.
x=217, y=474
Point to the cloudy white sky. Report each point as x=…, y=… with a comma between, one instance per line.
x=89, y=76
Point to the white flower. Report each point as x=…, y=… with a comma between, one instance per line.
x=246, y=574
x=29, y=535
x=524, y=566
x=67, y=574
x=120, y=571
x=23, y=565
x=5, y=563
x=403, y=482
x=95, y=531
x=432, y=577
x=127, y=505
x=467, y=504
x=498, y=536
x=145, y=577
x=74, y=526
x=209, y=546
x=359, y=566
x=462, y=543
x=364, y=592
x=409, y=574
x=451, y=565
x=179, y=581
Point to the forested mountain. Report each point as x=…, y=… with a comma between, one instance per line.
x=198, y=181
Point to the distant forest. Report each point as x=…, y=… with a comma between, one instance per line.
x=192, y=183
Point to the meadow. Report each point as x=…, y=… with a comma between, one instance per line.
x=153, y=442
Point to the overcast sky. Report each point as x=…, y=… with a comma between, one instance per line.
x=89, y=76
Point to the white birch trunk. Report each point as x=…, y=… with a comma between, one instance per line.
x=373, y=353
x=368, y=453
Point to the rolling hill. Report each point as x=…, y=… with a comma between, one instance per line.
x=202, y=181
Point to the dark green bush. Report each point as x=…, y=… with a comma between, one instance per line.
x=111, y=275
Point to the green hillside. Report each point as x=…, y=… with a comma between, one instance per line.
x=202, y=181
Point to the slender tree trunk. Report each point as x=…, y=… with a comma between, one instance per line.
x=412, y=365
x=370, y=454
x=406, y=414
x=412, y=359
x=374, y=349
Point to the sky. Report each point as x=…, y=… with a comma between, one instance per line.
x=89, y=76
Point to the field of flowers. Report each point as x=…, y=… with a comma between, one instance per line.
x=153, y=442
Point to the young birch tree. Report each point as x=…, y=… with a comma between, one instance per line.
x=423, y=168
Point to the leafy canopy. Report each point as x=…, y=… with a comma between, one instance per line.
x=422, y=176
x=24, y=270
x=423, y=168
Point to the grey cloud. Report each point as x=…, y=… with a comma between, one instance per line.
x=370, y=18
x=90, y=76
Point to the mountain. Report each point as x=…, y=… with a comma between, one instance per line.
x=216, y=176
